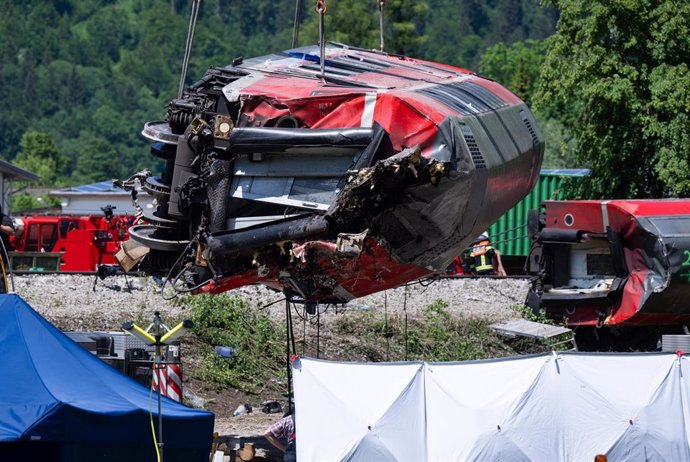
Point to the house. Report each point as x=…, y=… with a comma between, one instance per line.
x=9, y=173
x=89, y=198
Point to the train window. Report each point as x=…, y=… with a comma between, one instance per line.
x=48, y=237
x=32, y=239
x=41, y=237
x=672, y=226
x=66, y=226
x=600, y=264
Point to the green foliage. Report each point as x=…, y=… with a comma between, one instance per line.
x=437, y=335
x=90, y=72
x=229, y=321
x=518, y=67
x=621, y=69
x=39, y=154
x=533, y=345
x=98, y=161
x=25, y=202
x=528, y=313
x=460, y=32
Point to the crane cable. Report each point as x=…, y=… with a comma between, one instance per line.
x=321, y=8
x=188, y=45
x=405, y=311
x=385, y=321
x=295, y=28
x=289, y=341
x=382, y=3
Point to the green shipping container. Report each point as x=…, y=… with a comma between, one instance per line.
x=509, y=234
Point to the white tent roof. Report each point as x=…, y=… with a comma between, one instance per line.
x=552, y=407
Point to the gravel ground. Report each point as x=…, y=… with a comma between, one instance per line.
x=71, y=303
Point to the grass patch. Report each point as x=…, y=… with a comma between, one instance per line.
x=221, y=320
x=437, y=335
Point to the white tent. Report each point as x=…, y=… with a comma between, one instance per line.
x=552, y=407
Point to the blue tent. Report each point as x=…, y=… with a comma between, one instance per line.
x=59, y=402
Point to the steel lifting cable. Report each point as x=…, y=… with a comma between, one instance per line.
x=295, y=29
x=318, y=330
x=385, y=321
x=287, y=348
x=188, y=45
x=292, y=332
x=405, y=311
x=304, y=331
x=321, y=8
x=382, y=3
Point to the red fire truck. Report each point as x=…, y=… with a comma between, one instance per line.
x=67, y=243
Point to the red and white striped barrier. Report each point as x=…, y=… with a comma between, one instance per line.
x=171, y=380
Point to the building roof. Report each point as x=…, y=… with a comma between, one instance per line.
x=104, y=187
x=12, y=172
x=567, y=172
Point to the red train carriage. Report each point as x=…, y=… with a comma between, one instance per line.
x=332, y=185
x=614, y=263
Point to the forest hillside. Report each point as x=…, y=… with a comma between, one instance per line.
x=608, y=82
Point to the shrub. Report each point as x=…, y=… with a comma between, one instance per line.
x=229, y=321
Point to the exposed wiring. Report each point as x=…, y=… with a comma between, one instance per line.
x=178, y=290
x=263, y=307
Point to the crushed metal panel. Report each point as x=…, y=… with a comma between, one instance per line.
x=525, y=328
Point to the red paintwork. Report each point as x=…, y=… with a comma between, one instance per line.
x=411, y=118
x=622, y=217
x=587, y=214
x=83, y=241
x=373, y=271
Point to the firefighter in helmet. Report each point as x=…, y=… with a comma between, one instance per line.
x=482, y=258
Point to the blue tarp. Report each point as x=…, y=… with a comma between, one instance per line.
x=56, y=396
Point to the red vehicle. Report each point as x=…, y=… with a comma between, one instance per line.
x=335, y=183
x=614, y=264
x=82, y=242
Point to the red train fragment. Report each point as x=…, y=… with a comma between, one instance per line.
x=333, y=186
x=613, y=263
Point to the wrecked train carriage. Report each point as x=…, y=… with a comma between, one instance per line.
x=377, y=173
x=614, y=263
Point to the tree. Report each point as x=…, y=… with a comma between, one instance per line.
x=621, y=68
x=39, y=154
x=99, y=161
x=347, y=21
x=518, y=67
x=407, y=19
x=356, y=22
